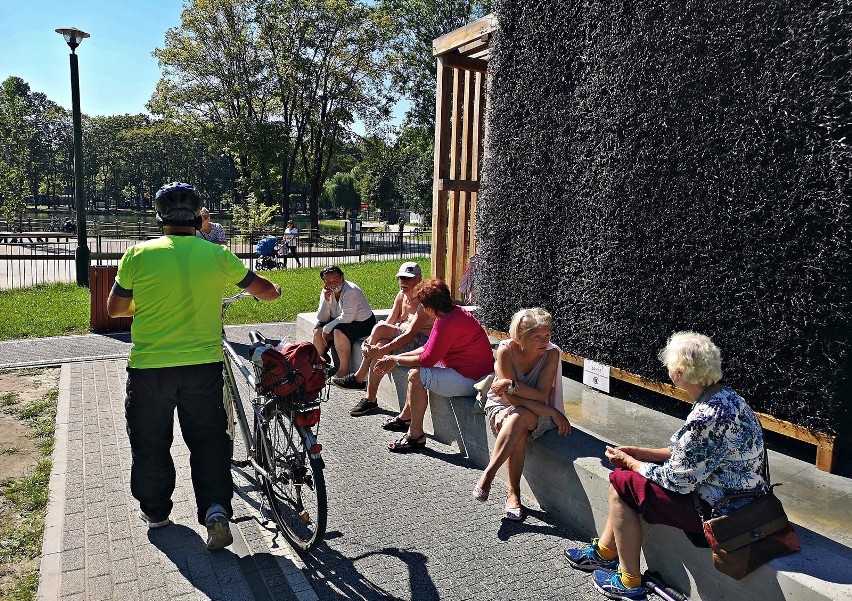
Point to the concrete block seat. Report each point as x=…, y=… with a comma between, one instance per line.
x=568, y=478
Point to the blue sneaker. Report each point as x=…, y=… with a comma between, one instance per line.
x=587, y=558
x=609, y=583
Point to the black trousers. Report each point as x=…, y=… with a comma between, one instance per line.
x=152, y=396
x=293, y=254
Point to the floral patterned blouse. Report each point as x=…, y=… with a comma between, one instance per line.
x=717, y=451
x=216, y=234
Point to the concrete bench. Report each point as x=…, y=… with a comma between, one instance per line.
x=568, y=478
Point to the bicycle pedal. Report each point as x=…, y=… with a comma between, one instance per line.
x=238, y=463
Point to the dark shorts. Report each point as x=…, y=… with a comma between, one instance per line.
x=355, y=330
x=656, y=504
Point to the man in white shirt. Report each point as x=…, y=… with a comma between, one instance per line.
x=344, y=316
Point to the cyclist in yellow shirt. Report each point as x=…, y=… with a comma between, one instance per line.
x=173, y=288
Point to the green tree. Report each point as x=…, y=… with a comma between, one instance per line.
x=16, y=138
x=377, y=174
x=253, y=218
x=215, y=75
x=417, y=23
x=340, y=190
x=414, y=152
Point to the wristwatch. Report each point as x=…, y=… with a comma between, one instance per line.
x=511, y=389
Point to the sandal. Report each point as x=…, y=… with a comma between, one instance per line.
x=407, y=444
x=514, y=514
x=397, y=424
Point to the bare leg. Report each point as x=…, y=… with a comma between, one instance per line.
x=344, y=351
x=513, y=431
x=514, y=471
x=405, y=414
x=627, y=530
x=417, y=399
x=320, y=343
x=366, y=366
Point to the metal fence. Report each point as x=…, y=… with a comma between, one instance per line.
x=38, y=257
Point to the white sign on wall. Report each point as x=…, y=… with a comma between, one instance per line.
x=596, y=375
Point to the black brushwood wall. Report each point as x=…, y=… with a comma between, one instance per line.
x=658, y=166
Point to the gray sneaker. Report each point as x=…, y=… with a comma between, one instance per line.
x=218, y=528
x=152, y=523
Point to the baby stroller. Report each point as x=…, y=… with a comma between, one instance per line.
x=269, y=254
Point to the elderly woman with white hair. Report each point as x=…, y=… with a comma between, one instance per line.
x=524, y=401
x=718, y=451
x=210, y=230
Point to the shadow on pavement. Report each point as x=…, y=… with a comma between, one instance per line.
x=326, y=566
x=188, y=552
x=548, y=526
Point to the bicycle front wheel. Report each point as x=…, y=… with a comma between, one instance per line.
x=295, y=487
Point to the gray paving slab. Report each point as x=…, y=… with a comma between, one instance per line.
x=400, y=527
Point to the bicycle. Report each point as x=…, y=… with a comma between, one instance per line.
x=281, y=444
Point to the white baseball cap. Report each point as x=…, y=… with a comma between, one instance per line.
x=409, y=269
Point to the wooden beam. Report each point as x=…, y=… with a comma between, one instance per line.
x=464, y=63
x=476, y=151
x=454, y=198
x=441, y=170
x=477, y=47
x=458, y=37
x=825, y=457
x=463, y=185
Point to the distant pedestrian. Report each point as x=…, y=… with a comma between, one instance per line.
x=172, y=286
x=291, y=238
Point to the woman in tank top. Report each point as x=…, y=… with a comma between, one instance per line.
x=524, y=401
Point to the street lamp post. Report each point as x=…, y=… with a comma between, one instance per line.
x=73, y=37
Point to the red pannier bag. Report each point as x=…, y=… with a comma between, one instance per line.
x=294, y=372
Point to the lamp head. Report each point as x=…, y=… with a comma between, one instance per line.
x=73, y=36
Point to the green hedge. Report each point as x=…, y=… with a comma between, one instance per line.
x=662, y=166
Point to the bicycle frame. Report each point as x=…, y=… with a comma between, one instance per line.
x=233, y=359
x=280, y=446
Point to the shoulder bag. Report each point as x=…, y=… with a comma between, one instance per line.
x=749, y=536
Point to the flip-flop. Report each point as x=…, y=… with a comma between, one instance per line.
x=407, y=444
x=514, y=514
x=396, y=424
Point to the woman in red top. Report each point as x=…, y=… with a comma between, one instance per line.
x=455, y=357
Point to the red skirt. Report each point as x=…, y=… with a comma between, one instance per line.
x=656, y=504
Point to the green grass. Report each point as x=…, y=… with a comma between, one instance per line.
x=21, y=537
x=300, y=290
x=59, y=309
x=44, y=310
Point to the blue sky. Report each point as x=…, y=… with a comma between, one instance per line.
x=117, y=71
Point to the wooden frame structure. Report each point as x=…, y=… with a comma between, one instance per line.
x=462, y=60
x=460, y=97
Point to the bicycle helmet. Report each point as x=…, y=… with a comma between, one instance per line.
x=178, y=204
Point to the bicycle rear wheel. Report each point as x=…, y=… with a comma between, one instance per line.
x=296, y=486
